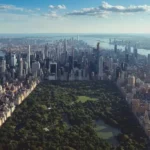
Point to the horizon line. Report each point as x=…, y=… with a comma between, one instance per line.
x=73, y=33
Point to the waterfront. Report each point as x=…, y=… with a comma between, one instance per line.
x=104, y=43
x=90, y=39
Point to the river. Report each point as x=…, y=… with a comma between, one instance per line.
x=104, y=43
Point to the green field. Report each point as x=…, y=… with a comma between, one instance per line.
x=83, y=99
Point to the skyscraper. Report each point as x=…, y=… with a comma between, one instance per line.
x=65, y=51
x=126, y=50
x=35, y=67
x=13, y=60
x=131, y=80
x=115, y=48
x=110, y=64
x=53, y=71
x=46, y=50
x=72, y=57
x=135, y=52
x=20, y=67
x=118, y=73
x=98, y=46
x=127, y=58
x=148, y=61
x=65, y=45
x=2, y=65
x=100, y=71
x=26, y=68
x=29, y=51
x=129, y=47
x=8, y=58
x=123, y=66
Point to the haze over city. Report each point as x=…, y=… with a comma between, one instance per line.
x=74, y=16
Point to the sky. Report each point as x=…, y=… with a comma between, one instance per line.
x=74, y=16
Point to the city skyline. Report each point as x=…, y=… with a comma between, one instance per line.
x=66, y=16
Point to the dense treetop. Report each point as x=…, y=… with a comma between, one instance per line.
x=54, y=117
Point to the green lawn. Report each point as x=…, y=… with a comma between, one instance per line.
x=83, y=99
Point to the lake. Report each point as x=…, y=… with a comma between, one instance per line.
x=107, y=132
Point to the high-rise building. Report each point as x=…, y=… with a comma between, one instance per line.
x=46, y=50
x=100, y=68
x=65, y=45
x=29, y=52
x=43, y=54
x=123, y=66
x=53, y=71
x=110, y=64
x=115, y=48
x=71, y=78
x=127, y=58
x=135, y=51
x=26, y=69
x=131, y=80
x=2, y=65
x=80, y=74
x=98, y=46
x=149, y=60
x=35, y=67
x=13, y=60
x=8, y=58
x=118, y=73
x=122, y=77
x=70, y=61
x=72, y=57
x=20, y=67
x=126, y=50
x=13, y=73
x=129, y=47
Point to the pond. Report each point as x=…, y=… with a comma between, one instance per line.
x=107, y=132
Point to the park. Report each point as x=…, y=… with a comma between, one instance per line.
x=74, y=115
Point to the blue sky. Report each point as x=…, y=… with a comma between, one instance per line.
x=74, y=16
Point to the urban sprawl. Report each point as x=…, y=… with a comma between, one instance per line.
x=22, y=67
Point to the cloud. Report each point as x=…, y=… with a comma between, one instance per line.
x=57, y=7
x=131, y=9
x=29, y=11
x=51, y=14
x=10, y=7
x=105, y=9
x=89, y=12
x=38, y=9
